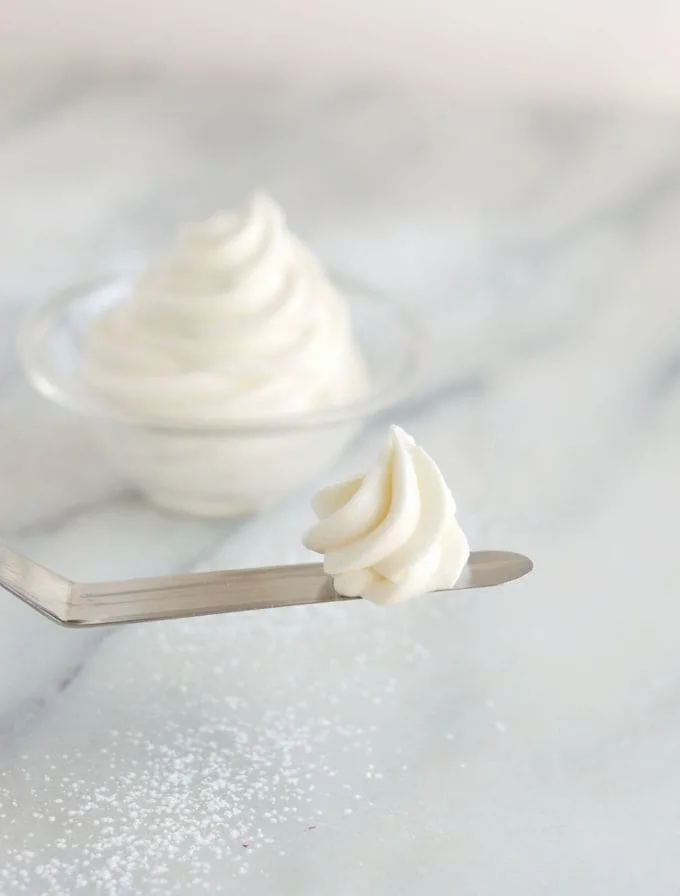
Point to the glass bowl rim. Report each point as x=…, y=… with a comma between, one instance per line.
x=41, y=320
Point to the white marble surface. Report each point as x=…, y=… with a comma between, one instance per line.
x=519, y=741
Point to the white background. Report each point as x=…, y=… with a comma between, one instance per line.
x=621, y=50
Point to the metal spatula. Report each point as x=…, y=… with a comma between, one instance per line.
x=201, y=593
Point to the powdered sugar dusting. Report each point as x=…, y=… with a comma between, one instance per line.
x=225, y=741
x=167, y=812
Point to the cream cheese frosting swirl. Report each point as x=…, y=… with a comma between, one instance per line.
x=391, y=534
x=237, y=322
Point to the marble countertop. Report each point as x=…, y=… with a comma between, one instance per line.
x=519, y=741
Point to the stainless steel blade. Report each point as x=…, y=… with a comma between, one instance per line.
x=199, y=594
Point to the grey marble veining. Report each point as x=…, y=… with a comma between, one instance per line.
x=520, y=741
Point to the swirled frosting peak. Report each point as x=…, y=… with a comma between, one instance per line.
x=391, y=534
x=238, y=321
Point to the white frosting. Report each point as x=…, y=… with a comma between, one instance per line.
x=238, y=322
x=391, y=534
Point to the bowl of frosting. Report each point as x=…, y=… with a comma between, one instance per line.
x=230, y=370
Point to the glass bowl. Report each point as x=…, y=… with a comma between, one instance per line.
x=233, y=468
